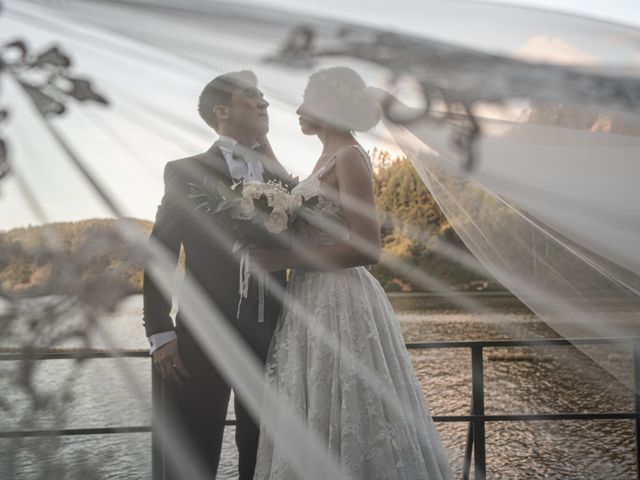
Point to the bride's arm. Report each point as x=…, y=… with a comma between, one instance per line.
x=355, y=192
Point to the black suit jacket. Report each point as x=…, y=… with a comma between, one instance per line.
x=208, y=254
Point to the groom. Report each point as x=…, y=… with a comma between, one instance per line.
x=235, y=108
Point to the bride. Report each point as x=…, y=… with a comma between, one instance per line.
x=337, y=356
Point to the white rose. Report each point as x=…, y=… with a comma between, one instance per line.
x=277, y=221
x=278, y=200
x=252, y=190
x=246, y=209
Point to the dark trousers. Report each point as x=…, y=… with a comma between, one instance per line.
x=198, y=408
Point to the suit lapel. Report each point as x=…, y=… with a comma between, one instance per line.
x=214, y=159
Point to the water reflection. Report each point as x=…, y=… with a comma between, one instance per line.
x=550, y=380
x=554, y=380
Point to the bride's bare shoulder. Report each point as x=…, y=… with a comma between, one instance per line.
x=353, y=159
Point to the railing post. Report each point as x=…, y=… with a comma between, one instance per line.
x=636, y=396
x=466, y=468
x=157, y=400
x=477, y=393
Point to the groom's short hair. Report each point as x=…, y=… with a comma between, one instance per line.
x=218, y=92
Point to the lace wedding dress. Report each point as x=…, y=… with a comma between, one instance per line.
x=338, y=359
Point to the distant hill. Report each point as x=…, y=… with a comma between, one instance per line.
x=411, y=225
x=27, y=266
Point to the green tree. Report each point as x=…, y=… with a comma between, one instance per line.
x=412, y=224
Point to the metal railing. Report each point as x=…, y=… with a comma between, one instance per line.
x=476, y=440
x=477, y=419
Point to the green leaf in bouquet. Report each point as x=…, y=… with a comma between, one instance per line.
x=202, y=206
x=198, y=191
x=223, y=205
x=225, y=191
x=200, y=194
x=202, y=197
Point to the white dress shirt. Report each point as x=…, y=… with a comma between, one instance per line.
x=245, y=167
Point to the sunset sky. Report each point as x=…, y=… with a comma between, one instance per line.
x=152, y=118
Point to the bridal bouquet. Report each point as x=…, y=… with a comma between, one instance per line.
x=255, y=212
x=258, y=214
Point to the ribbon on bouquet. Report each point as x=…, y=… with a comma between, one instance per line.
x=245, y=277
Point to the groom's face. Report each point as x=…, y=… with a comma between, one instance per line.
x=248, y=111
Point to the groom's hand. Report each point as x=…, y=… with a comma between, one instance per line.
x=168, y=363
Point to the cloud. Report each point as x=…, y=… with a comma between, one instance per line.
x=542, y=48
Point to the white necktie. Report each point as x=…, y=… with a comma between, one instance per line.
x=252, y=165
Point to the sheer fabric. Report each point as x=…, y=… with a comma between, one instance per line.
x=325, y=385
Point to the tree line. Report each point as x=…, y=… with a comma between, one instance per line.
x=411, y=225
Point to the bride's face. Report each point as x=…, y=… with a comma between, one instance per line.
x=308, y=123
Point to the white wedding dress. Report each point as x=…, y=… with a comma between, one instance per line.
x=371, y=437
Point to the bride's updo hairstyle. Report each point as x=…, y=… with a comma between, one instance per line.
x=339, y=97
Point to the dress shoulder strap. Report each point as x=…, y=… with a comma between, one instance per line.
x=331, y=162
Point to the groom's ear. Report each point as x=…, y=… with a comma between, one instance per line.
x=221, y=112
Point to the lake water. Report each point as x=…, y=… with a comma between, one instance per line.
x=553, y=380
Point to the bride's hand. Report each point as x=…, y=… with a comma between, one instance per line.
x=269, y=260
